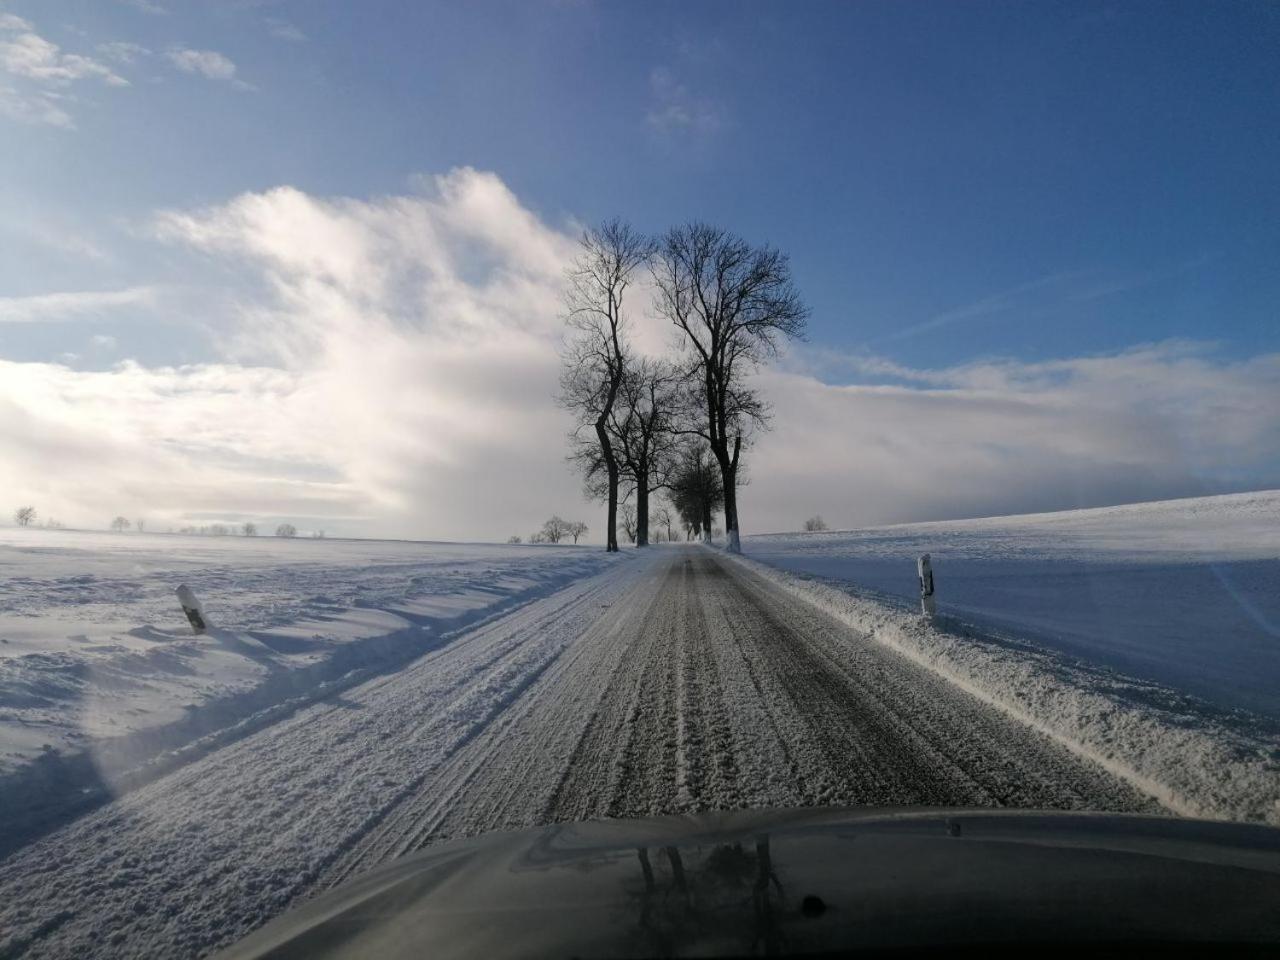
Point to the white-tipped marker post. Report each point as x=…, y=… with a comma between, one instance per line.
x=924, y=567
x=191, y=607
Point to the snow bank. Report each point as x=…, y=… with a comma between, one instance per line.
x=1194, y=759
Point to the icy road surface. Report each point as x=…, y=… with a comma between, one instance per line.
x=676, y=681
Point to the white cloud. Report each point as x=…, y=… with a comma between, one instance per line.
x=673, y=108
x=209, y=64
x=78, y=305
x=995, y=437
x=393, y=364
x=41, y=74
x=399, y=368
x=29, y=55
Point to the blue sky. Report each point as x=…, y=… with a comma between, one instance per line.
x=961, y=186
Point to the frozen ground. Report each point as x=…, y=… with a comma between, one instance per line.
x=1182, y=592
x=101, y=677
x=675, y=681
x=417, y=693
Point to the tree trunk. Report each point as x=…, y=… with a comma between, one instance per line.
x=642, y=507
x=731, y=512
x=703, y=531
x=729, y=478
x=611, y=465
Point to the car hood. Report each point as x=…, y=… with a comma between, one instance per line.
x=801, y=882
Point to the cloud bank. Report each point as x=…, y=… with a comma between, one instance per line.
x=390, y=367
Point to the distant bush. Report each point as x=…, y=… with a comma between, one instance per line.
x=815, y=524
x=249, y=528
x=286, y=530
x=24, y=516
x=514, y=539
x=120, y=524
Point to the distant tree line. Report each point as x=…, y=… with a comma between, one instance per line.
x=678, y=424
x=27, y=516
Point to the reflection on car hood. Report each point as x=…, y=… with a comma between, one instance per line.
x=801, y=882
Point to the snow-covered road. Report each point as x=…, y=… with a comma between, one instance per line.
x=676, y=681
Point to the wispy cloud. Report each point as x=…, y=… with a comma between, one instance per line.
x=37, y=107
x=146, y=6
x=27, y=54
x=674, y=108
x=76, y=305
x=122, y=51
x=41, y=74
x=284, y=30
x=1002, y=301
x=64, y=237
x=1034, y=298
x=209, y=64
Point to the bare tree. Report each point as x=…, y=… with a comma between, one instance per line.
x=515, y=538
x=249, y=528
x=556, y=529
x=815, y=524
x=24, y=516
x=696, y=490
x=662, y=518
x=286, y=530
x=538, y=537
x=644, y=430
x=140, y=525
x=733, y=304
x=627, y=519
x=120, y=524
x=595, y=356
x=577, y=529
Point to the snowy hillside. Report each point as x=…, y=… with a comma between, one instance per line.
x=98, y=663
x=1182, y=592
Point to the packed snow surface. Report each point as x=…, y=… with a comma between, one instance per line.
x=677, y=680
x=1182, y=592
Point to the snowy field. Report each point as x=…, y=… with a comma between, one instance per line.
x=1185, y=593
x=100, y=673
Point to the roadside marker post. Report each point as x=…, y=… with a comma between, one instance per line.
x=924, y=568
x=191, y=607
